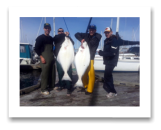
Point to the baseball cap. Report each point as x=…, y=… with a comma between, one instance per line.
x=107, y=29
x=47, y=25
x=92, y=26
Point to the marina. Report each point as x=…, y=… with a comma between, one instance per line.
x=126, y=82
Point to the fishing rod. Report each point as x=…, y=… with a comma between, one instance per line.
x=88, y=24
x=66, y=25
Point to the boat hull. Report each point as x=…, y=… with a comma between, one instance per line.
x=123, y=65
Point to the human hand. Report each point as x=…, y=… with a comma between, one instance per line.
x=99, y=52
x=42, y=60
x=82, y=43
x=82, y=40
x=66, y=33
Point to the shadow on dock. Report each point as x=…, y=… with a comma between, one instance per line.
x=94, y=95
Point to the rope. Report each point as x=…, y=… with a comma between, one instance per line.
x=66, y=25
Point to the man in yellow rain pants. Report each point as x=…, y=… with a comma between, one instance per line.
x=93, y=39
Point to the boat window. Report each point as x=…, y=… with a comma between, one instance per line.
x=30, y=49
x=22, y=49
x=134, y=50
x=123, y=50
x=129, y=50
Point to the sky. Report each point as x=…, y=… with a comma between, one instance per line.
x=15, y=13
x=129, y=27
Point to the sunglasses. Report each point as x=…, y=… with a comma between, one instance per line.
x=60, y=31
x=47, y=28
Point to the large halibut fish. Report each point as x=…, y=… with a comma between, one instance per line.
x=82, y=61
x=66, y=57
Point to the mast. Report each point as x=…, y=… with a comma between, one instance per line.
x=39, y=29
x=22, y=32
x=117, y=26
x=101, y=41
x=27, y=39
x=111, y=22
x=44, y=19
x=53, y=26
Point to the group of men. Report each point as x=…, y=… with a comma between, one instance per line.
x=44, y=48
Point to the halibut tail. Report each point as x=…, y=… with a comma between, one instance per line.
x=66, y=77
x=79, y=83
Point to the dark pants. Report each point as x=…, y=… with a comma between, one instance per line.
x=48, y=69
x=64, y=83
x=47, y=75
x=108, y=79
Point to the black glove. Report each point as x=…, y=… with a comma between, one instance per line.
x=100, y=53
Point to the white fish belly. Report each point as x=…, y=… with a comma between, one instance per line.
x=66, y=55
x=82, y=61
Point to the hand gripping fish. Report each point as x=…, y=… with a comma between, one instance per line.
x=66, y=57
x=82, y=61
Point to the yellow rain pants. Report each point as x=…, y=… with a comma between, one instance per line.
x=89, y=77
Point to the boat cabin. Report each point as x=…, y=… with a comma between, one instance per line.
x=25, y=53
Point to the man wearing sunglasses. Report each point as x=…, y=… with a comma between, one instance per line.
x=92, y=38
x=44, y=48
x=58, y=40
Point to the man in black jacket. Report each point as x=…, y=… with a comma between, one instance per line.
x=110, y=57
x=92, y=38
x=58, y=40
x=44, y=48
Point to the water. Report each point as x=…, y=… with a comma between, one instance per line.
x=29, y=78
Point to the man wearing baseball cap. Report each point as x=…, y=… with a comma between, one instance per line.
x=110, y=57
x=92, y=38
x=44, y=48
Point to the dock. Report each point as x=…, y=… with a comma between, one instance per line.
x=30, y=66
x=126, y=85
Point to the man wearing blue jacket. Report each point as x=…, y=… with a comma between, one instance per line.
x=110, y=57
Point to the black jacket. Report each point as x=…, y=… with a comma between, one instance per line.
x=58, y=40
x=125, y=42
x=111, y=51
x=92, y=41
x=40, y=43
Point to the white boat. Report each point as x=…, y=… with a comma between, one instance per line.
x=122, y=65
x=127, y=62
